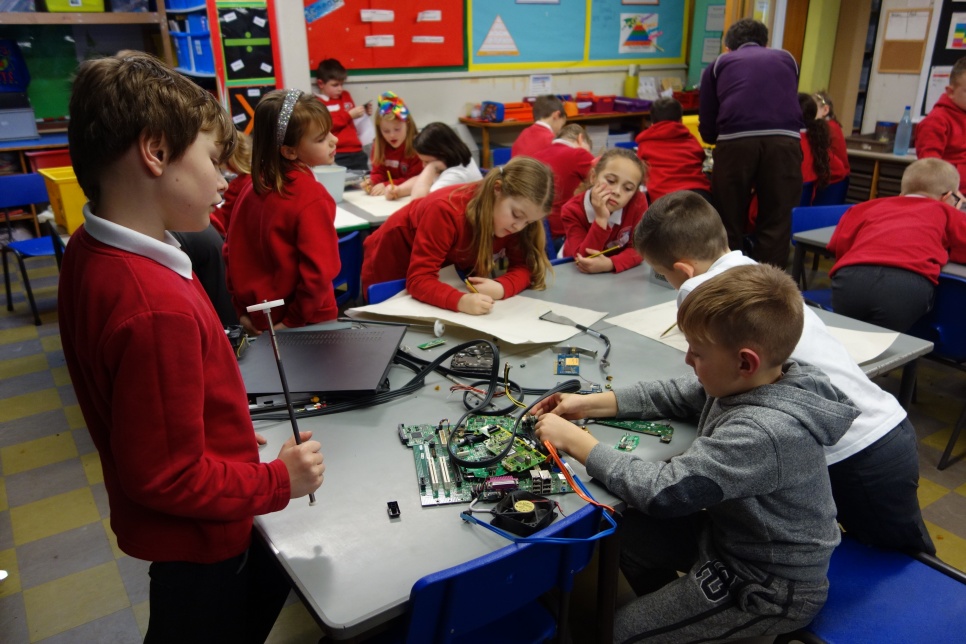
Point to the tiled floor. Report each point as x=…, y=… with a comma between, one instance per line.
x=68, y=582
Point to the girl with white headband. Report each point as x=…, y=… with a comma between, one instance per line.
x=281, y=240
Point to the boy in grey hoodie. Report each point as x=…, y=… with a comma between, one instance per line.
x=747, y=510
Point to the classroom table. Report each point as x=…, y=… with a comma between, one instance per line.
x=374, y=210
x=352, y=566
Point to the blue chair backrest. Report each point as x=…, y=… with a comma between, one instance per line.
x=451, y=603
x=944, y=325
x=812, y=217
x=22, y=190
x=350, y=254
x=384, y=290
x=832, y=194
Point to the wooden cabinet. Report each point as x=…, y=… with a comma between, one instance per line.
x=875, y=174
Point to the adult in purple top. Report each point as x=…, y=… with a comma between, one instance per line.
x=749, y=110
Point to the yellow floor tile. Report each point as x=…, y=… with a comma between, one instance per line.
x=112, y=538
x=961, y=489
x=142, y=612
x=8, y=562
x=940, y=438
x=930, y=492
x=61, y=376
x=37, y=453
x=3, y=495
x=75, y=419
x=51, y=343
x=17, y=407
x=949, y=547
x=24, y=365
x=92, y=468
x=73, y=600
x=53, y=515
x=18, y=334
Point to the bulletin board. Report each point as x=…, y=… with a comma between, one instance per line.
x=523, y=34
x=385, y=35
x=904, y=41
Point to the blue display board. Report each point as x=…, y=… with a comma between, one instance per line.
x=523, y=34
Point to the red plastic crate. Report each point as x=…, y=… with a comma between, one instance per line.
x=689, y=100
x=40, y=159
x=604, y=103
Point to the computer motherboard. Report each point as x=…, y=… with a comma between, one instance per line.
x=441, y=482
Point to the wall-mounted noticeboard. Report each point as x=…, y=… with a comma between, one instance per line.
x=904, y=42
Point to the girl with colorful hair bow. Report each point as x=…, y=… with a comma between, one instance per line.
x=395, y=164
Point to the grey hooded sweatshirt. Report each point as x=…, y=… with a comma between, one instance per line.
x=757, y=466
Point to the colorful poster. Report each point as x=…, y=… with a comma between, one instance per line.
x=639, y=33
x=957, y=32
x=498, y=41
x=321, y=8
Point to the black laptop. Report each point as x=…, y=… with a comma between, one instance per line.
x=341, y=363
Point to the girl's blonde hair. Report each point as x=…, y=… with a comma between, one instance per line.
x=269, y=167
x=613, y=153
x=379, y=145
x=240, y=160
x=523, y=178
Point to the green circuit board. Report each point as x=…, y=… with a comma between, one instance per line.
x=441, y=482
x=661, y=430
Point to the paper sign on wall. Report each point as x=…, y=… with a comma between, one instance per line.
x=540, y=84
x=638, y=33
x=381, y=41
x=377, y=15
x=431, y=40
x=432, y=15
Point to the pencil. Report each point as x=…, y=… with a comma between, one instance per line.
x=469, y=285
x=389, y=174
x=668, y=330
x=602, y=252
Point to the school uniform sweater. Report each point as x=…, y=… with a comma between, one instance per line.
x=674, y=159
x=752, y=91
x=159, y=387
x=429, y=233
x=880, y=412
x=343, y=125
x=583, y=232
x=914, y=233
x=570, y=165
x=284, y=247
x=942, y=135
x=396, y=164
x=221, y=216
x=756, y=467
x=532, y=139
x=837, y=170
x=839, y=149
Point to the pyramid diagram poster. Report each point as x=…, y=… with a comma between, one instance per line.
x=498, y=41
x=639, y=33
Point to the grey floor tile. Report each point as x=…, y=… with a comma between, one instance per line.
x=20, y=349
x=948, y=512
x=100, y=500
x=27, y=383
x=13, y=620
x=42, y=482
x=6, y=530
x=32, y=427
x=134, y=574
x=63, y=554
x=82, y=438
x=67, y=395
x=117, y=628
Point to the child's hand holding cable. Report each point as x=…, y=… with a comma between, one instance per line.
x=565, y=436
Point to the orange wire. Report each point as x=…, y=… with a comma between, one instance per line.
x=570, y=479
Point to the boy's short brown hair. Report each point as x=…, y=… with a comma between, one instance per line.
x=756, y=306
x=956, y=74
x=545, y=105
x=680, y=225
x=331, y=69
x=666, y=108
x=931, y=177
x=571, y=131
x=115, y=100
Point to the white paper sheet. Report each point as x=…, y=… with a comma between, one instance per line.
x=515, y=320
x=652, y=322
x=378, y=207
x=345, y=219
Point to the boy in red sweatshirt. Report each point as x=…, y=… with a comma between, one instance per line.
x=888, y=252
x=549, y=118
x=156, y=378
x=673, y=156
x=570, y=160
x=330, y=77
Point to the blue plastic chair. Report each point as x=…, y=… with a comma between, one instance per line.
x=944, y=327
x=812, y=217
x=24, y=190
x=350, y=275
x=831, y=195
x=495, y=598
x=384, y=290
x=886, y=596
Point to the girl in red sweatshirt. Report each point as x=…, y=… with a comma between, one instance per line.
x=604, y=216
x=281, y=241
x=472, y=226
x=395, y=164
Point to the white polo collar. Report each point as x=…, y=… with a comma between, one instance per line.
x=167, y=253
x=613, y=220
